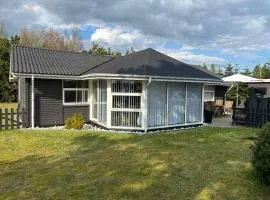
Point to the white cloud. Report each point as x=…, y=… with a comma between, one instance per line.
x=191, y=58
x=238, y=28
x=122, y=39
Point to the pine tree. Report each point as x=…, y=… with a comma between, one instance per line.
x=229, y=70
x=213, y=68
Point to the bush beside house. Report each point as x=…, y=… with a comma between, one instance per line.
x=75, y=122
x=261, y=154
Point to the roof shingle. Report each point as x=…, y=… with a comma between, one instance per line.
x=30, y=60
x=148, y=62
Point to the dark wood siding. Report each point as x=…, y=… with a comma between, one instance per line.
x=28, y=101
x=69, y=110
x=49, y=109
x=48, y=102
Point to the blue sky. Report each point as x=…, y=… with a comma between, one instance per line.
x=193, y=31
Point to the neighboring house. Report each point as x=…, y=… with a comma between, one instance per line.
x=255, y=85
x=140, y=91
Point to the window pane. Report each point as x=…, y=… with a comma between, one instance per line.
x=79, y=96
x=194, y=102
x=102, y=104
x=157, y=104
x=126, y=119
x=103, y=91
x=133, y=102
x=127, y=86
x=69, y=84
x=208, y=96
x=70, y=96
x=137, y=86
x=95, y=99
x=85, y=96
x=176, y=103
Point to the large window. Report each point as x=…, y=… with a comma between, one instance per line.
x=75, y=92
x=157, y=104
x=171, y=103
x=126, y=103
x=194, y=103
x=176, y=103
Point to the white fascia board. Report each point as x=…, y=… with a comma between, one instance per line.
x=154, y=78
x=42, y=76
x=120, y=76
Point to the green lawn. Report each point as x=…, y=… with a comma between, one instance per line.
x=202, y=163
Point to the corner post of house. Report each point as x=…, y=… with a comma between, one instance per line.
x=90, y=96
x=202, y=117
x=109, y=102
x=144, y=105
x=33, y=101
x=186, y=103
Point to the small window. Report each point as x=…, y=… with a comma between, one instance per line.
x=209, y=93
x=209, y=96
x=75, y=92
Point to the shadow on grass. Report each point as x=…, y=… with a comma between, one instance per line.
x=130, y=167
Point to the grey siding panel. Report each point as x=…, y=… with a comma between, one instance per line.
x=21, y=93
x=48, y=102
x=49, y=109
x=28, y=101
x=69, y=110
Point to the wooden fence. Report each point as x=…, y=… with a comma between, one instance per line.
x=257, y=111
x=11, y=118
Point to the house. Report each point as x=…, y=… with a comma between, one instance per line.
x=254, y=85
x=141, y=91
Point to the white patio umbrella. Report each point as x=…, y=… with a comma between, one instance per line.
x=239, y=78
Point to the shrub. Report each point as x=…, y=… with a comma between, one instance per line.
x=261, y=154
x=76, y=121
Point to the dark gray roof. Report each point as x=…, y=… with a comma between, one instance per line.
x=150, y=62
x=147, y=62
x=30, y=60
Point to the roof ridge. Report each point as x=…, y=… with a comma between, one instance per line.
x=98, y=65
x=55, y=50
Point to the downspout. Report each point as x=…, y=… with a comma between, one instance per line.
x=33, y=102
x=227, y=92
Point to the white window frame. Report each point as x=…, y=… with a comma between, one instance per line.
x=75, y=89
x=206, y=89
x=95, y=119
x=185, y=115
x=139, y=110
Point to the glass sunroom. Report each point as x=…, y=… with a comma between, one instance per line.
x=145, y=105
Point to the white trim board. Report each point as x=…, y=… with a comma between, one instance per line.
x=118, y=76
